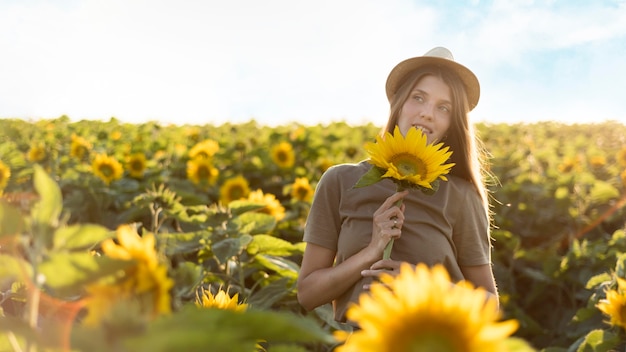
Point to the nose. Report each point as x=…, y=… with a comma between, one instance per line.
x=428, y=112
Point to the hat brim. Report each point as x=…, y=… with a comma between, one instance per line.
x=400, y=71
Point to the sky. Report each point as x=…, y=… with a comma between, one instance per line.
x=303, y=61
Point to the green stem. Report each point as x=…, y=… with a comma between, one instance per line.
x=389, y=247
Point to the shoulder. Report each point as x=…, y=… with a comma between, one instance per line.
x=345, y=173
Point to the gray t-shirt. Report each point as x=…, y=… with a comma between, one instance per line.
x=450, y=227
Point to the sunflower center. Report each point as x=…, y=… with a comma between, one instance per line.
x=432, y=341
x=409, y=165
x=282, y=156
x=106, y=170
x=136, y=165
x=236, y=192
x=203, y=172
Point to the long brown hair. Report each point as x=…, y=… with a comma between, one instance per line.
x=467, y=151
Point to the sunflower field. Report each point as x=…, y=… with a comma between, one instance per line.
x=151, y=237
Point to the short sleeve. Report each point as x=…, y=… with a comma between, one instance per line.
x=323, y=222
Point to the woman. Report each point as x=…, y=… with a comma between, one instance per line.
x=348, y=228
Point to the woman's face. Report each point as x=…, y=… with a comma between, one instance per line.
x=428, y=108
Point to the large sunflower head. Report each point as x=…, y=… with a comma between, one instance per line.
x=205, y=149
x=409, y=160
x=221, y=300
x=272, y=205
x=146, y=282
x=614, y=305
x=201, y=171
x=5, y=174
x=79, y=148
x=136, y=165
x=302, y=190
x=36, y=153
x=421, y=310
x=234, y=189
x=107, y=168
x=283, y=155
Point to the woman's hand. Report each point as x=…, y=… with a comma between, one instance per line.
x=388, y=266
x=387, y=222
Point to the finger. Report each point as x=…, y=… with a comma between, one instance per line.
x=384, y=264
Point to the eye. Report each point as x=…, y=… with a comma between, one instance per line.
x=418, y=97
x=445, y=108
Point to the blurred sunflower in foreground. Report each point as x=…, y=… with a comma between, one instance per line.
x=144, y=285
x=234, y=189
x=107, y=168
x=421, y=310
x=615, y=304
x=5, y=174
x=272, y=205
x=283, y=155
x=136, y=165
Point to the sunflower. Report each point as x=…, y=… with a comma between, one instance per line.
x=597, y=161
x=411, y=160
x=36, y=153
x=272, y=205
x=221, y=301
x=136, y=165
x=5, y=174
x=79, y=148
x=302, y=190
x=283, y=155
x=621, y=156
x=421, y=310
x=145, y=282
x=205, y=149
x=107, y=168
x=201, y=171
x=622, y=176
x=615, y=304
x=570, y=164
x=234, y=189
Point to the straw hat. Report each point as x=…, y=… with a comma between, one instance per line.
x=441, y=57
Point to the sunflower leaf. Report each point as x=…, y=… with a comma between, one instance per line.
x=371, y=177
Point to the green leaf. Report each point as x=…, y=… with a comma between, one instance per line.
x=230, y=247
x=76, y=237
x=238, y=207
x=48, y=209
x=281, y=266
x=11, y=220
x=265, y=244
x=183, y=243
x=255, y=223
x=13, y=268
x=69, y=271
x=270, y=294
x=602, y=192
x=515, y=344
x=372, y=176
x=197, y=329
x=599, y=341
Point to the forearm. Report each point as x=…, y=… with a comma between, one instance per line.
x=324, y=285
